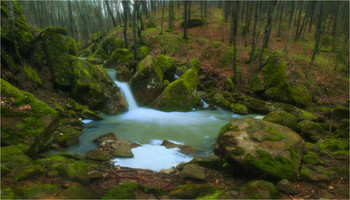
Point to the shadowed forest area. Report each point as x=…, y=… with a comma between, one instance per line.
x=125, y=99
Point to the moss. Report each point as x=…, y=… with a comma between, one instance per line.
x=120, y=57
x=195, y=65
x=7, y=193
x=216, y=44
x=226, y=58
x=199, y=191
x=275, y=167
x=283, y=118
x=77, y=191
x=4, y=170
x=310, y=130
x=239, y=108
x=142, y=52
x=68, y=137
x=305, y=173
x=229, y=84
x=27, y=172
x=88, y=114
x=259, y=189
x=164, y=65
x=72, y=46
x=334, y=145
x=13, y=158
x=32, y=75
x=273, y=135
x=33, y=128
x=238, y=151
x=128, y=190
x=311, y=158
x=41, y=191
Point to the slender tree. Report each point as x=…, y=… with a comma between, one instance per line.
x=134, y=16
x=161, y=30
x=185, y=20
x=290, y=26
x=280, y=20
x=125, y=12
x=234, y=24
x=171, y=14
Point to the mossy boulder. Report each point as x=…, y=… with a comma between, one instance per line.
x=72, y=46
x=42, y=191
x=98, y=155
x=132, y=191
x=26, y=121
x=283, y=118
x=123, y=74
x=311, y=158
x=271, y=82
x=315, y=173
x=311, y=131
x=7, y=193
x=147, y=82
x=69, y=167
x=180, y=95
x=23, y=34
x=260, y=147
x=142, y=52
x=239, y=108
x=78, y=191
x=192, y=171
x=13, y=158
x=27, y=172
x=339, y=148
x=193, y=23
x=167, y=65
x=259, y=189
x=104, y=49
x=199, y=191
x=67, y=136
x=216, y=98
x=120, y=57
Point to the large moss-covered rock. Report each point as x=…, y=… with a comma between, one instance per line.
x=120, y=57
x=42, y=191
x=259, y=190
x=147, y=83
x=239, y=108
x=167, y=65
x=261, y=147
x=25, y=121
x=68, y=167
x=264, y=107
x=132, y=191
x=13, y=158
x=23, y=34
x=77, y=191
x=271, y=82
x=311, y=131
x=180, y=95
x=27, y=172
x=199, y=191
x=283, y=118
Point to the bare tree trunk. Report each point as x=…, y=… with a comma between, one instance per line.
x=185, y=20
x=280, y=20
x=171, y=14
x=189, y=10
x=251, y=71
x=161, y=29
x=234, y=24
x=290, y=24
x=266, y=36
x=134, y=28
x=11, y=20
x=125, y=12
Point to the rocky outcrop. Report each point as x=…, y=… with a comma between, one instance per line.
x=25, y=121
x=180, y=95
x=260, y=147
x=271, y=82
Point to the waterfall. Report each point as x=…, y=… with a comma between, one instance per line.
x=125, y=89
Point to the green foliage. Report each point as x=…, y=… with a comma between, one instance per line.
x=7, y=193
x=151, y=24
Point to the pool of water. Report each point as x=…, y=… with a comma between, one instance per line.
x=149, y=127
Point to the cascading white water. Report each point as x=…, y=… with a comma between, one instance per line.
x=150, y=127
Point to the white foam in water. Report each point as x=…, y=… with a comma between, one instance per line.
x=153, y=157
x=259, y=117
x=86, y=121
x=205, y=105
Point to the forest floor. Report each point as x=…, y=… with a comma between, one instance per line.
x=208, y=43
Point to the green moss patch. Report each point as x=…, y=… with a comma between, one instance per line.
x=128, y=190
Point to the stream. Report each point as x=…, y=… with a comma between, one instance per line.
x=149, y=127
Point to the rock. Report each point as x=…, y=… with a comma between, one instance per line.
x=146, y=84
x=311, y=131
x=131, y=191
x=27, y=172
x=199, y=191
x=120, y=57
x=123, y=74
x=42, y=191
x=72, y=46
x=211, y=162
x=229, y=86
x=77, y=191
x=314, y=173
x=259, y=189
x=264, y=107
x=67, y=137
x=180, y=95
x=142, y=52
x=122, y=149
x=271, y=82
x=98, y=155
x=239, y=108
x=13, y=158
x=192, y=171
x=283, y=118
x=33, y=130
x=286, y=187
x=167, y=171
x=88, y=114
x=107, y=136
x=104, y=49
x=217, y=98
x=193, y=23
x=68, y=167
x=311, y=158
x=261, y=147
x=167, y=65
x=184, y=148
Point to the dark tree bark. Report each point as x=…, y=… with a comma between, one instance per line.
x=171, y=14
x=300, y=8
x=267, y=31
x=280, y=20
x=234, y=24
x=290, y=25
x=247, y=24
x=227, y=10
x=251, y=71
x=335, y=23
x=185, y=20
x=161, y=30
x=11, y=20
x=125, y=12
x=320, y=29
x=71, y=23
x=134, y=28
x=303, y=25
x=189, y=10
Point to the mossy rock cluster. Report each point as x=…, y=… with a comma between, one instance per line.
x=181, y=94
x=26, y=121
x=260, y=147
x=311, y=131
x=132, y=191
x=224, y=100
x=103, y=49
x=271, y=82
x=199, y=191
x=120, y=57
